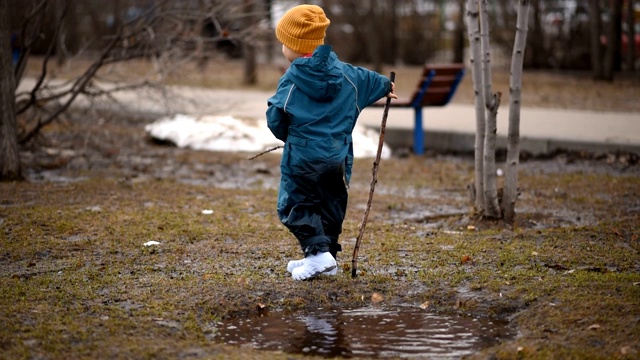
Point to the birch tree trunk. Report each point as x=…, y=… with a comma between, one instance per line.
x=473, y=30
x=9, y=155
x=510, y=193
x=492, y=102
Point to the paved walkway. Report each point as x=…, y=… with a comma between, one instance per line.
x=450, y=128
x=541, y=130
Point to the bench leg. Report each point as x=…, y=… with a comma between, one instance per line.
x=418, y=132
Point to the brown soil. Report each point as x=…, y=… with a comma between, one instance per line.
x=78, y=283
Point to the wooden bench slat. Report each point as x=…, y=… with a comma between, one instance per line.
x=442, y=69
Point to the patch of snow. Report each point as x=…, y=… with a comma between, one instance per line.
x=227, y=133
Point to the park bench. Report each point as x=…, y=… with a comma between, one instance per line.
x=437, y=85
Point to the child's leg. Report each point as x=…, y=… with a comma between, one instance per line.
x=299, y=210
x=302, y=208
x=334, y=209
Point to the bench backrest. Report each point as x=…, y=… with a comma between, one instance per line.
x=437, y=85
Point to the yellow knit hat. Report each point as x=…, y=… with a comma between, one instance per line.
x=302, y=28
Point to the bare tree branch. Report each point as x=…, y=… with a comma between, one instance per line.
x=38, y=10
x=167, y=33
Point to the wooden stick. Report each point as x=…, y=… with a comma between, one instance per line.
x=374, y=180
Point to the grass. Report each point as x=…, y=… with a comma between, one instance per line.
x=77, y=280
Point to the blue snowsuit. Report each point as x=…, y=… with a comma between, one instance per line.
x=314, y=111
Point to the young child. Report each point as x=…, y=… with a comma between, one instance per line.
x=314, y=111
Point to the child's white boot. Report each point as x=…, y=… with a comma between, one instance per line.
x=294, y=264
x=297, y=263
x=314, y=265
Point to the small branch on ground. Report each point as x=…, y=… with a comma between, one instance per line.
x=267, y=151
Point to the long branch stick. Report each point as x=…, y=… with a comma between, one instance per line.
x=374, y=180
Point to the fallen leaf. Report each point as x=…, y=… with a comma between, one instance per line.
x=458, y=304
x=424, y=305
x=627, y=350
x=261, y=306
x=534, y=253
x=376, y=298
x=465, y=259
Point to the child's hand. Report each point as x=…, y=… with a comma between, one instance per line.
x=392, y=93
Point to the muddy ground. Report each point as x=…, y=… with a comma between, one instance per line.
x=78, y=282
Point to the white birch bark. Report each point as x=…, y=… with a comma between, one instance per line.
x=492, y=102
x=473, y=30
x=510, y=192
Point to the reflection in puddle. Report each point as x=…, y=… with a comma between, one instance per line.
x=370, y=332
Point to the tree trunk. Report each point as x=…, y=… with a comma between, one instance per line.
x=491, y=102
x=9, y=154
x=393, y=48
x=538, y=52
x=631, y=35
x=375, y=48
x=250, y=67
x=268, y=4
x=250, y=76
x=473, y=30
x=612, y=55
x=510, y=193
x=458, y=36
x=596, y=45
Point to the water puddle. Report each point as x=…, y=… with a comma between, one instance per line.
x=366, y=332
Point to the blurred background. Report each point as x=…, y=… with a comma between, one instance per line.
x=97, y=61
x=597, y=36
